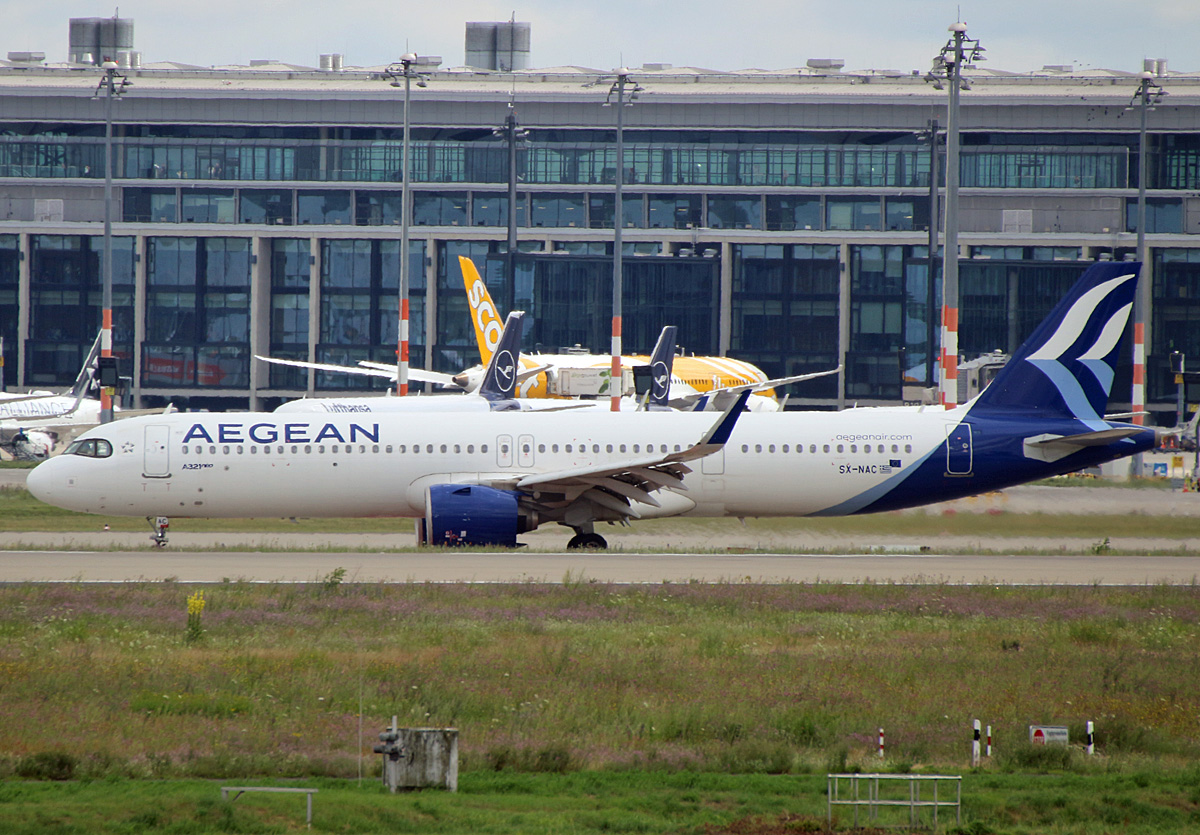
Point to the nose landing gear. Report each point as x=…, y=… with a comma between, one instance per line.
x=159, y=525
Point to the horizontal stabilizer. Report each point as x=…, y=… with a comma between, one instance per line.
x=1053, y=447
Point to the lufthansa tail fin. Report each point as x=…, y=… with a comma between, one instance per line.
x=484, y=315
x=1066, y=368
x=500, y=377
x=661, y=361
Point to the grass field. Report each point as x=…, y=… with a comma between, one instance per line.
x=594, y=708
x=1145, y=802
x=586, y=707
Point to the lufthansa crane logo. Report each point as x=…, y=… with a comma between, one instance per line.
x=659, y=372
x=506, y=368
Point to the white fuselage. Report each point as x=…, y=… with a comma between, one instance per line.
x=248, y=464
x=54, y=409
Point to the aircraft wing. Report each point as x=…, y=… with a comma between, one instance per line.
x=418, y=374
x=785, y=381
x=525, y=373
x=719, y=398
x=615, y=485
x=366, y=369
x=128, y=413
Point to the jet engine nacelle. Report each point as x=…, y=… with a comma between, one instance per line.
x=471, y=514
x=32, y=445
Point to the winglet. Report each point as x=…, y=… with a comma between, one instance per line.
x=488, y=325
x=500, y=377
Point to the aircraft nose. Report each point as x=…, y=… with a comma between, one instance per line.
x=42, y=483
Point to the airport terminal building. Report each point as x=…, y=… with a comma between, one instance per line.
x=780, y=217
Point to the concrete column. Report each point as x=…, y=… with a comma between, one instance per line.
x=314, y=308
x=431, y=265
x=260, y=317
x=725, y=310
x=24, y=299
x=843, y=319
x=141, y=244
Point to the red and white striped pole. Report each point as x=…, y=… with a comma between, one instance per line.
x=615, y=402
x=949, y=356
x=881, y=743
x=402, y=350
x=989, y=741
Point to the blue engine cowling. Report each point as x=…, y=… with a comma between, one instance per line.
x=470, y=514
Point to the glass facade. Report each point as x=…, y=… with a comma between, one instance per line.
x=697, y=193
x=10, y=274
x=197, y=313
x=290, y=278
x=877, y=361
x=359, y=319
x=785, y=312
x=456, y=346
x=1176, y=320
x=1163, y=215
x=571, y=301
x=66, y=299
x=587, y=157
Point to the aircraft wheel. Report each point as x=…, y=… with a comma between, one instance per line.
x=587, y=542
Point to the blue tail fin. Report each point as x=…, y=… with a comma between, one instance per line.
x=661, y=362
x=1066, y=367
x=500, y=377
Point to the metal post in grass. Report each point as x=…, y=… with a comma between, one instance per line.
x=975, y=745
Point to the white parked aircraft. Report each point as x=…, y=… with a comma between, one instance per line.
x=485, y=481
x=31, y=424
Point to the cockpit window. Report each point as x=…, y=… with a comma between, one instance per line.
x=89, y=448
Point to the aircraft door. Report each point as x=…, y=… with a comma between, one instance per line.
x=525, y=451
x=504, y=451
x=958, y=450
x=713, y=464
x=156, y=457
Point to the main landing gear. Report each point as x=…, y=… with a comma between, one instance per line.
x=159, y=525
x=587, y=540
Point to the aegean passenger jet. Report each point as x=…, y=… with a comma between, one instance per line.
x=486, y=478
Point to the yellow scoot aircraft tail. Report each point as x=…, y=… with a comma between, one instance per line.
x=489, y=324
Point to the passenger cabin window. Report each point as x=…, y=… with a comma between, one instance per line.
x=90, y=448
